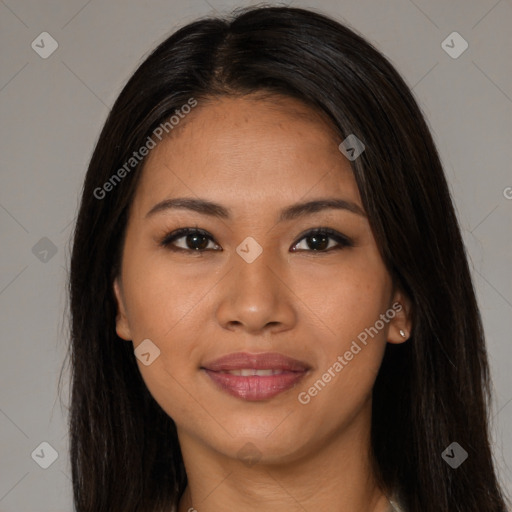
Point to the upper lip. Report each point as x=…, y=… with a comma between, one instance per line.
x=261, y=361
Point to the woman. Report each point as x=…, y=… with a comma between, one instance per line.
x=271, y=303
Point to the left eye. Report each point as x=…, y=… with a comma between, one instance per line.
x=197, y=240
x=318, y=240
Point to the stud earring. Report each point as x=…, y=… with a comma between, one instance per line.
x=402, y=333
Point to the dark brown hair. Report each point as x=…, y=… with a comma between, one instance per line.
x=430, y=391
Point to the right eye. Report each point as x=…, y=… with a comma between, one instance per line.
x=194, y=240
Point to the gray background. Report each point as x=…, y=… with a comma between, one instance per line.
x=52, y=111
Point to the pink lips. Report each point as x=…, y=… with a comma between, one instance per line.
x=255, y=376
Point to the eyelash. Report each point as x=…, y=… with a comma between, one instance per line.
x=342, y=240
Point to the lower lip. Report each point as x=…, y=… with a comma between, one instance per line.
x=255, y=387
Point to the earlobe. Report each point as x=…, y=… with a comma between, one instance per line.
x=401, y=325
x=122, y=326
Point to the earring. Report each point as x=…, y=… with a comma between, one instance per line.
x=402, y=333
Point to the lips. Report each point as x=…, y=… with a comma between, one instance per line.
x=266, y=360
x=255, y=376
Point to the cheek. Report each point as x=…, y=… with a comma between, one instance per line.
x=160, y=299
x=348, y=302
x=347, y=298
x=165, y=320
x=164, y=306
x=351, y=352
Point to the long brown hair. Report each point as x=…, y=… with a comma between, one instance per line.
x=431, y=391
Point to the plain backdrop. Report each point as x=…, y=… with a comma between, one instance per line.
x=52, y=110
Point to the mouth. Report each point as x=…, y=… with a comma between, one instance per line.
x=255, y=377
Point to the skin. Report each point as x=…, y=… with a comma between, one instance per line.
x=256, y=156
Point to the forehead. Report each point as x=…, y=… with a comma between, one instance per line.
x=227, y=149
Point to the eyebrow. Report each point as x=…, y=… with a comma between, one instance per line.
x=289, y=213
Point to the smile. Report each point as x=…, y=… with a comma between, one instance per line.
x=255, y=384
x=255, y=377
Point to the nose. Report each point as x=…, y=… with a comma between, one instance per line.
x=257, y=297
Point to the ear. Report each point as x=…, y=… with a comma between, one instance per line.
x=122, y=325
x=402, y=321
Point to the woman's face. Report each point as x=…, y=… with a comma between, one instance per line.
x=254, y=282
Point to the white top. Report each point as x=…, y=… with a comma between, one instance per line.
x=395, y=507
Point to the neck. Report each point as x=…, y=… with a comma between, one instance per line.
x=335, y=476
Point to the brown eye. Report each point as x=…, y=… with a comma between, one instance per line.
x=320, y=240
x=188, y=239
